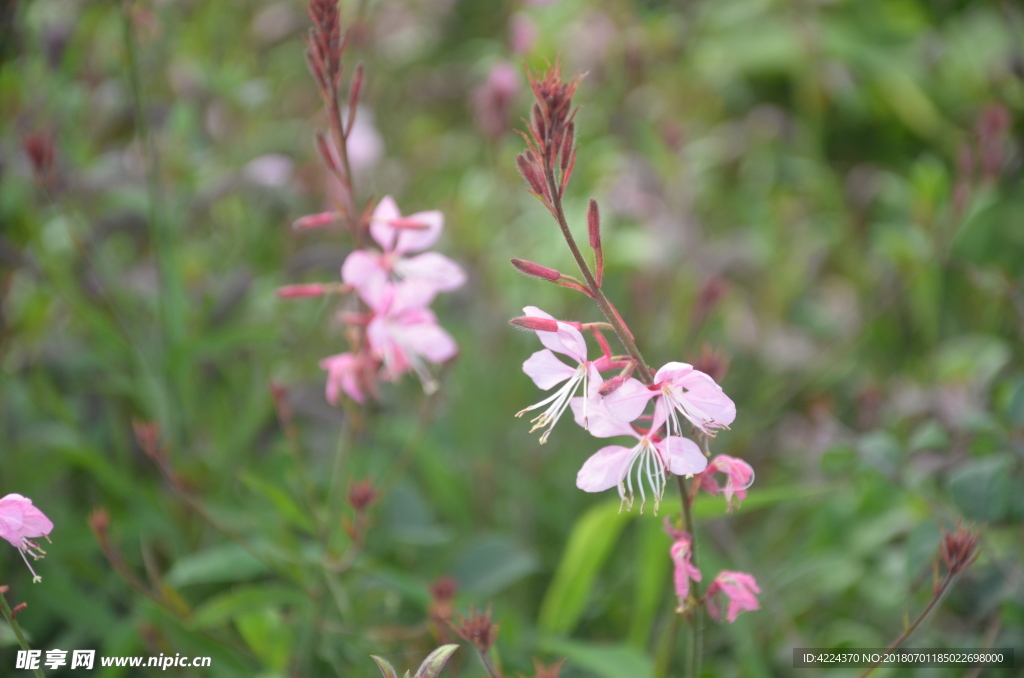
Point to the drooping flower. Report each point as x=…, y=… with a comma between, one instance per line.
x=20, y=523
x=681, y=553
x=404, y=333
x=650, y=460
x=345, y=372
x=397, y=237
x=739, y=588
x=739, y=477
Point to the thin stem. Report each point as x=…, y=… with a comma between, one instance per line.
x=489, y=665
x=9, y=616
x=917, y=622
x=697, y=623
x=602, y=301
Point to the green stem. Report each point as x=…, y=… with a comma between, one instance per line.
x=917, y=622
x=9, y=616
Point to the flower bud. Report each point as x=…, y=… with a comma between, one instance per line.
x=361, y=495
x=958, y=548
x=311, y=221
x=612, y=385
x=594, y=224
x=296, y=291
x=536, y=270
x=535, y=324
x=531, y=172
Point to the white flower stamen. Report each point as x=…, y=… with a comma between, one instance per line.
x=650, y=465
x=558, y=403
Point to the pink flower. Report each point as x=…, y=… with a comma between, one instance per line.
x=403, y=332
x=651, y=458
x=345, y=372
x=739, y=477
x=398, y=236
x=681, y=552
x=739, y=588
x=492, y=101
x=20, y=523
x=680, y=389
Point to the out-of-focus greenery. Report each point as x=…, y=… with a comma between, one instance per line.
x=849, y=172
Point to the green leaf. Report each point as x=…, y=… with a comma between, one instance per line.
x=285, y=505
x=224, y=563
x=589, y=545
x=652, y=566
x=491, y=564
x=385, y=666
x=607, y=661
x=268, y=636
x=982, y=489
x=435, y=661
x=226, y=606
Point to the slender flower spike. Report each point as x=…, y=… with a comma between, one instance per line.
x=20, y=523
x=547, y=371
x=681, y=553
x=398, y=236
x=739, y=477
x=739, y=588
x=650, y=460
x=403, y=333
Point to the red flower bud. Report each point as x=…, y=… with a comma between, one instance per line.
x=296, y=291
x=315, y=221
x=535, y=324
x=594, y=224
x=612, y=385
x=536, y=270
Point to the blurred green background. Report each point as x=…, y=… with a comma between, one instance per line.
x=829, y=194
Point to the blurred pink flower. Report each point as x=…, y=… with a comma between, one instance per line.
x=492, y=101
x=739, y=477
x=397, y=236
x=20, y=523
x=652, y=457
x=695, y=395
x=522, y=33
x=404, y=332
x=739, y=588
x=344, y=372
x=681, y=552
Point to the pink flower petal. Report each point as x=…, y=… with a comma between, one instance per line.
x=432, y=268
x=598, y=421
x=605, y=469
x=417, y=239
x=682, y=456
x=385, y=212
x=629, y=400
x=708, y=397
x=546, y=370
x=360, y=266
x=428, y=340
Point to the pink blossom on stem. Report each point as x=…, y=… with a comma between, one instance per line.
x=739, y=588
x=547, y=370
x=20, y=523
x=739, y=477
x=650, y=460
x=398, y=236
x=680, y=389
x=681, y=553
x=404, y=333
x=344, y=373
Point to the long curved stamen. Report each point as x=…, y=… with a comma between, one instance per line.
x=645, y=460
x=23, y=550
x=675, y=402
x=559, y=402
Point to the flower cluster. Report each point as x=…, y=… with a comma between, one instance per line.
x=620, y=396
x=393, y=330
x=615, y=407
x=20, y=523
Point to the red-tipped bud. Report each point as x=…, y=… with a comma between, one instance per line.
x=361, y=495
x=311, y=221
x=594, y=224
x=297, y=291
x=536, y=270
x=325, y=152
x=4, y=589
x=568, y=138
x=147, y=434
x=958, y=548
x=478, y=630
x=18, y=608
x=527, y=164
x=612, y=385
x=39, y=148
x=535, y=324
